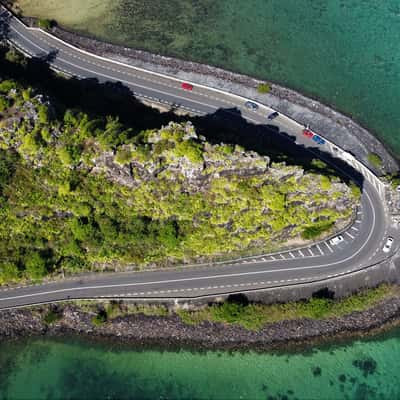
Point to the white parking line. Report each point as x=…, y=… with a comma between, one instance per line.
x=327, y=245
x=291, y=254
x=354, y=228
x=309, y=249
x=349, y=235
x=273, y=258
x=319, y=248
x=301, y=253
x=357, y=221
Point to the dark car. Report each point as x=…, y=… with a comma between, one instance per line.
x=273, y=115
x=318, y=139
x=250, y=105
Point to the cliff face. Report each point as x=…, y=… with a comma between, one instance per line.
x=78, y=192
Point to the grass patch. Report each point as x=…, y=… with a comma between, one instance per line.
x=375, y=160
x=255, y=316
x=263, y=88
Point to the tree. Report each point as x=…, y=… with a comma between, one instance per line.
x=35, y=265
x=8, y=272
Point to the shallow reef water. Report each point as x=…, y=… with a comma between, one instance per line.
x=69, y=369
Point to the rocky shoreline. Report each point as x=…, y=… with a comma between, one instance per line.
x=169, y=331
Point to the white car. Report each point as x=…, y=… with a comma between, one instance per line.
x=336, y=240
x=388, y=244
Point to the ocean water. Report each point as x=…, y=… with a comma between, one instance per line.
x=49, y=369
x=345, y=52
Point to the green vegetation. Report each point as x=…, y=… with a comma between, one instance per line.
x=394, y=180
x=263, y=88
x=78, y=192
x=100, y=318
x=375, y=160
x=255, y=316
x=312, y=232
x=45, y=23
x=52, y=316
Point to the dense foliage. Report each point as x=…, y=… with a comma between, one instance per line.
x=78, y=192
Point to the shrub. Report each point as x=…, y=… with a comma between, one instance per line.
x=52, y=316
x=8, y=272
x=35, y=265
x=355, y=190
x=100, y=318
x=65, y=156
x=6, y=86
x=311, y=232
x=325, y=183
x=263, y=88
x=375, y=160
x=45, y=23
x=43, y=113
x=4, y=103
x=15, y=57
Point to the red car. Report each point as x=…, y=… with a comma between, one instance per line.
x=307, y=133
x=186, y=86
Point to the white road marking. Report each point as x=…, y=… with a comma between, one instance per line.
x=354, y=228
x=319, y=248
x=301, y=253
x=291, y=254
x=349, y=235
x=327, y=245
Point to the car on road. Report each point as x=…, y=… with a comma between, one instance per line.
x=388, y=244
x=336, y=240
x=250, y=105
x=273, y=115
x=318, y=139
x=186, y=86
x=307, y=133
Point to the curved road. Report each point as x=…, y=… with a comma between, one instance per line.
x=363, y=241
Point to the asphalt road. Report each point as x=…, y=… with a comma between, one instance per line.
x=363, y=241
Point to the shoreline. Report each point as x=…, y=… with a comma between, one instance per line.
x=170, y=333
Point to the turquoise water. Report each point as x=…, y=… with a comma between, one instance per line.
x=47, y=369
x=345, y=52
